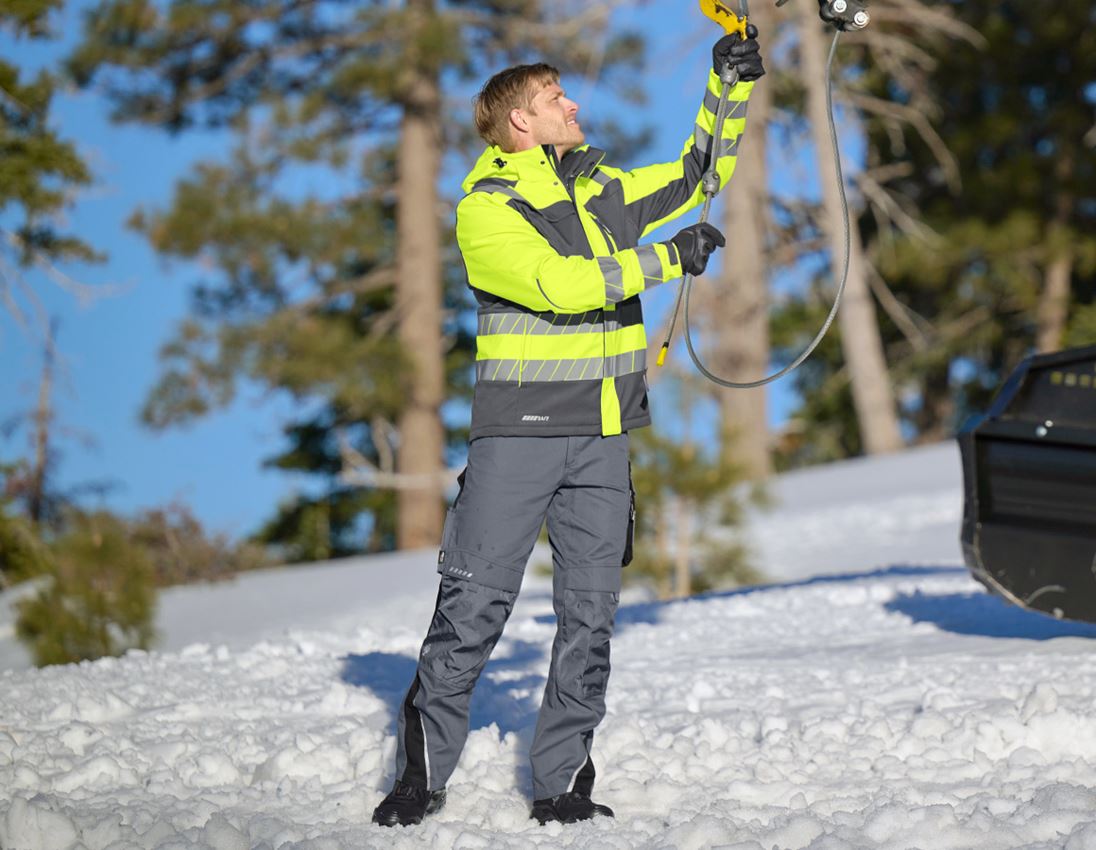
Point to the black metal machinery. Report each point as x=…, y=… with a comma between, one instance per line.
x=1029, y=473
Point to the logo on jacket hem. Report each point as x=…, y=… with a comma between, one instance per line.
x=529, y=417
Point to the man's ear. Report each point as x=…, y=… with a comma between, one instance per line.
x=518, y=121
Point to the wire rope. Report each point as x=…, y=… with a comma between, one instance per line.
x=688, y=281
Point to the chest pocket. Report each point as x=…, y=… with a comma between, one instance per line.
x=560, y=225
x=607, y=208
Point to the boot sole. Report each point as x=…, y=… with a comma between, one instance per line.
x=554, y=818
x=393, y=818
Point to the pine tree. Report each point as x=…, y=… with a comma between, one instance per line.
x=1005, y=262
x=880, y=73
x=39, y=170
x=23, y=555
x=330, y=274
x=99, y=598
x=686, y=504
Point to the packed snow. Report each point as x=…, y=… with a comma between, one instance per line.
x=892, y=705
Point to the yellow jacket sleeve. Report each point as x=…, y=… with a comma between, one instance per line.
x=505, y=256
x=658, y=193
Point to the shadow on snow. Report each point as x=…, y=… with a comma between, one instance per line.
x=976, y=613
x=985, y=615
x=506, y=694
x=509, y=696
x=648, y=612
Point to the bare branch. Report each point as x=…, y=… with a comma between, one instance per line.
x=919, y=122
x=891, y=210
x=359, y=471
x=894, y=308
x=926, y=18
x=85, y=293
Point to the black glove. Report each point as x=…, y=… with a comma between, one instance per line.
x=743, y=56
x=695, y=244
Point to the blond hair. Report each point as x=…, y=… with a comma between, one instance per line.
x=513, y=88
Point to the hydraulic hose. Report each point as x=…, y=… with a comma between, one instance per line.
x=687, y=283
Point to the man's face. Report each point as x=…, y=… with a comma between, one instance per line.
x=552, y=119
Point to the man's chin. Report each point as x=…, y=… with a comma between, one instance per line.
x=575, y=141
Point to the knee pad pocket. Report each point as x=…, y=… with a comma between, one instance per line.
x=467, y=623
x=589, y=616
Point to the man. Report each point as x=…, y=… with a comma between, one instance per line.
x=550, y=239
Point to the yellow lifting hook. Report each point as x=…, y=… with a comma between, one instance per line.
x=724, y=16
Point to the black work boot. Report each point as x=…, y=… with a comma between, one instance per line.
x=406, y=805
x=568, y=808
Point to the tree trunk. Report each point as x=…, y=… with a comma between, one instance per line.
x=662, y=548
x=683, y=585
x=1053, y=308
x=738, y=304
x=43, y=421
x=1054, y=303
x=861, y=342
x=419, y=305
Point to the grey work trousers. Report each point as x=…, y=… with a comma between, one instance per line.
x=582, y=486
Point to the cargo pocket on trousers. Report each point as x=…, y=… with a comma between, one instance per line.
x=448, y=529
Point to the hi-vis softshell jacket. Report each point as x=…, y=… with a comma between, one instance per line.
x=552, y=253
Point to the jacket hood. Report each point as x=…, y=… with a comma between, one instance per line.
x=538, y=163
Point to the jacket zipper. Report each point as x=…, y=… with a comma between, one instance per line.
x=606, y=235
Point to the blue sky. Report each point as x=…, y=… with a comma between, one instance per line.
x=109, y=346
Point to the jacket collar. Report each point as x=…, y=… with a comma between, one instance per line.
x=534, y=164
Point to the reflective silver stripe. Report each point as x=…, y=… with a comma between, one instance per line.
x=492, y=185
x=650, y=264
x=703, y=140
x=602, y=178
x=614, y=278
x=592, y=321
x=425, y=748
x=563, y=369
x=631, y=361
x=737, y=108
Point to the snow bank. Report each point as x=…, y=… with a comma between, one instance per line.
x=896, y=709
x=861, y=514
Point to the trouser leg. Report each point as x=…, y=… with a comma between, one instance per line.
x=587, y=525
x=433, y=721
x=489, y=534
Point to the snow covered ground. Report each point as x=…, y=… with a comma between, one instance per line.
x=891, y=704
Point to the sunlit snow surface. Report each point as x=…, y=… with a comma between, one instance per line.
x=894, y=707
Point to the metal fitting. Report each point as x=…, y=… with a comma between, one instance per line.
x=839, y=6
x=860, y=19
